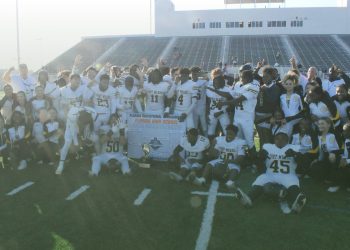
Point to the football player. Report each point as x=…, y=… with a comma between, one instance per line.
x=245, y=94
x=279, y=161
x=102, y=98
x=199, y=112
x=186, y=98
x=230, y=152
x=157, y=91
x=71, y=96
x=80, y=125
x=216, y=94
x=195, y=147
x=113, y=142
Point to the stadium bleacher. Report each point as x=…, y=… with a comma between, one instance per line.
x=313, y=50
x=202, y=51
x=135, y=48
x=320, y=51
x=89, y=48
x=245, y=49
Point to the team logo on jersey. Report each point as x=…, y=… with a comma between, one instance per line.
x=155, y=143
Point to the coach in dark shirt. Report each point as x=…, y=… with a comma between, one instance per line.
x=268, y=102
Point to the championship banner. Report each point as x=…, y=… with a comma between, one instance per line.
x=161, y=134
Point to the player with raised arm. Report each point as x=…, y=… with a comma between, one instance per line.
x=113, y=142
x=217, y=95
x=71, y=96
x=156, y=92
x=79, y=131
x=199, y=112
x=230, y=152
x=186, y=98
x=194, y=147
x=279, y=160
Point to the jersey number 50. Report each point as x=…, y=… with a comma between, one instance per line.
x=112, y=147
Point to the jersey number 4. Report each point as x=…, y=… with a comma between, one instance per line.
x=180, y=99
x=281, y=166
x=112, y=147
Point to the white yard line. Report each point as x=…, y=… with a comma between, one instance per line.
x=218, y=194
x=77, y=192
x=205, y=231
x=20, y=188
x=142, y=196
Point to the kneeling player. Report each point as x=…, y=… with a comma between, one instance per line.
x=113, y=141
x=231, y=155
x=280, y=163
x=195, y=146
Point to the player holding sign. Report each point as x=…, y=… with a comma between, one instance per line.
x=280, y=163
x=113, y=142
x=195, y=147
x=186, y=98
x=230, y=151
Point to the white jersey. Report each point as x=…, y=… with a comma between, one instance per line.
x=320, y=110
x=38, y=132
x=277, y=163
x=342, y=109
x=25, y=85
x=327, y=144
x=331, y=87
x=196, y=151
x=155, y=96
x=185, y=94
x=50, y=127
x=200, y=87
x=72, y=98
x=37, y=104
x=16, y=134
x=127, y=98
x=346, y=154
x=112, y=143
x=250, y=91
x=291, y=105
x=103, y=101
x=72, y=123
x=215, y=99
x=229, y=150
x=305, y=142
x=53, y=91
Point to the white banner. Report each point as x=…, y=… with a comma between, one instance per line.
x=161, y=134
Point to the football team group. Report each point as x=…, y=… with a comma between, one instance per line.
x=302, y=122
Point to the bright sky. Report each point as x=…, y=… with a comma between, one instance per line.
x=49, y=27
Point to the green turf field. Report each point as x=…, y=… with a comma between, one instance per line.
x=105, y=217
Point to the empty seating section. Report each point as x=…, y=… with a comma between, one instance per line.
x=250, y=49
x=133, y=49
x=320, y=51
x=313, y=50
x=90, y=49
x=201, y=51
x=346, y=39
